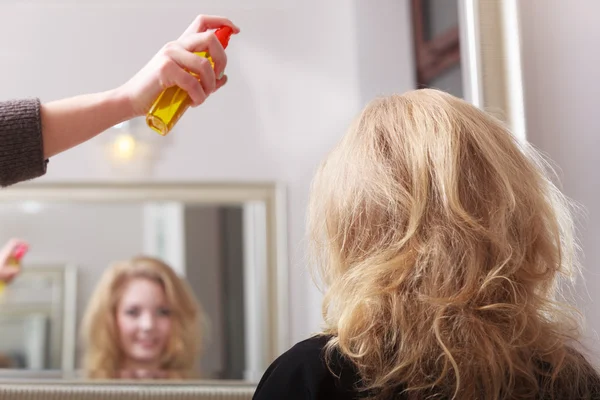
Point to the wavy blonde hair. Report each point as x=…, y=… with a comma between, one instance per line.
x=442, y=243
x=103, y=356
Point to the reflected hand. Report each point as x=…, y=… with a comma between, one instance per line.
x=168, y=67
x=7, y=271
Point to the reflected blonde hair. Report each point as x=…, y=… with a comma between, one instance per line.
x=442, y=243
x=103, y=355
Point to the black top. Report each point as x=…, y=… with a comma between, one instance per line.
x=301, y=373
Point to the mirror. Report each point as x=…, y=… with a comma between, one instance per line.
x=471, y=49
x=436, y=41
x=224, y=241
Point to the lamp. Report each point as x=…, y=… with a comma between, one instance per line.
x=124, y=146
x=132, y=147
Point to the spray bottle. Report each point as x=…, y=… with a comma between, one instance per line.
x=174, y=101
x=14, y=260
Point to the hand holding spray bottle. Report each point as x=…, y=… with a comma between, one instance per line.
x=13, y=261
x=173, y=102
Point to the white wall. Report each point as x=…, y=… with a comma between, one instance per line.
x=299, y=71
x=561, y=91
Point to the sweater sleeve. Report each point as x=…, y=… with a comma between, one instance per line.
x=21, y=143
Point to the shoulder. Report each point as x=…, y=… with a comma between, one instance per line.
x=311, y=353
x=577, y=378
x=307, y=350
x=305, y=357
x=302, y=373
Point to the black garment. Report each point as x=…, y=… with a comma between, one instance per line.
x=301, y=374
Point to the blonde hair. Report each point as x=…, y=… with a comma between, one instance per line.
x=103, y=356
x=442, y=243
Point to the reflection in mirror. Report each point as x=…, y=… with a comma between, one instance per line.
x=471, y=49
x=36, y=318
x=142, y=321
x=208, y=279
x=437, y=45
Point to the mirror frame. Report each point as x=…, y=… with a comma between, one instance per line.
x=272, y=195
x=124, y=390
x=490, y=37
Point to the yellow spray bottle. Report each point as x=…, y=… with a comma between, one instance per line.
x=174, y=101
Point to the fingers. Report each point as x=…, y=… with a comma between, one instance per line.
x=207, y=42
x=7, y=274
x=196, y=64
x=178, y=59
x=191, y=85
x=9, y=249
x=221, y=82
x=204, y=22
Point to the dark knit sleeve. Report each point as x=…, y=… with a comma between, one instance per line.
x=21, y=145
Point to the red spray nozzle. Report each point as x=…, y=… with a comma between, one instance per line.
x=20, y=251
x=223, y=34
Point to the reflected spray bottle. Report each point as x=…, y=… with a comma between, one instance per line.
x=173, y=102
x=14, y=260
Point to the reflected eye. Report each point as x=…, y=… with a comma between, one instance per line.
x=164, y=312
x=132, y=312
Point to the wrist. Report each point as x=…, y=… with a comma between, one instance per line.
x=123, y=102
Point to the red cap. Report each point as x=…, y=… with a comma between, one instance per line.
x=20, y=251
x=223, y=34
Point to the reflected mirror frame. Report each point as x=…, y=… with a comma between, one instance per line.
x=61, y=309
x=272, y=195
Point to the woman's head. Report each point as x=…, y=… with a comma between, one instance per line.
x=441, y=241
x=144, y=322
x=141, y=315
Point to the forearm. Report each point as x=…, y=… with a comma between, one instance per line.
x=69, y=122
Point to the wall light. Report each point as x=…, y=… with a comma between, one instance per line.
x=124, y=146
x=132, y=148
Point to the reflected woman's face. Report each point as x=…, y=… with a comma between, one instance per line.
x=144, y=322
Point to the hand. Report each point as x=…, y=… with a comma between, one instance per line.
x=168, y=67
x=9, y=272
